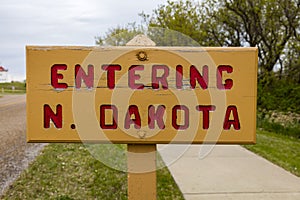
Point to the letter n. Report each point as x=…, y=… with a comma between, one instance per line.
x=81, y=75
x=56, y=117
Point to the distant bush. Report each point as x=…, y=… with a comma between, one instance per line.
x=13, y=88
x=278, y=94
x=278, y=102
x=279, y=122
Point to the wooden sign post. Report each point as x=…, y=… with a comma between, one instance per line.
x=141, y=95
x=141, y=158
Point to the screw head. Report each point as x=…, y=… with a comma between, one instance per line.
x=142, y=56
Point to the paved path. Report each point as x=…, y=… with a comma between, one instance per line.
x=15, y=153
x=229, y=172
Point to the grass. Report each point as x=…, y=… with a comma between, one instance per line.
x=10, y=92
x=69, y=171
x=285, y=124
x=280, y=149
x=280, y=129
x=7, y=88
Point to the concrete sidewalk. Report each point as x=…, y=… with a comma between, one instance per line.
x=228, y=172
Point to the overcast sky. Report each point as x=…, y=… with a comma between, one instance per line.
x=56, y=22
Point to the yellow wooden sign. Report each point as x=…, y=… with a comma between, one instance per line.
x=141, y=94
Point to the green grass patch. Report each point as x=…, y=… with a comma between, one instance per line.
x=280, y=149
x=69, y=171
x=293, y=131
x=285, y=123
x=13, y=88
x=10, y=92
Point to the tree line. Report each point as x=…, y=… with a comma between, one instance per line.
x=271, y=25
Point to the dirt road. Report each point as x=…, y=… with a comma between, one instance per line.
x=15, y=153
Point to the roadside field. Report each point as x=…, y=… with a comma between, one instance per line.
x=282, y=150
x=68, y=171
x=12, y=88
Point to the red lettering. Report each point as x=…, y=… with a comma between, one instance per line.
x=163, y=79
x=201, y=79
x=132, y=77
x=174, y=117
x=235, y=121
x=81, y=75
x=50, y=115
x=228, y=82
x=156, y=116
x=111, y=74
x=205, y=109
x=55, y=76
x=132, y=110
x=179, y=77
x=103, y=124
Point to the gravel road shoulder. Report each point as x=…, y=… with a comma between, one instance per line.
x=15, y=153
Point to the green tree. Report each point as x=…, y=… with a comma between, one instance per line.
x=267, y=24
x=183, y=16
x=292, y=62
x=271, y=25
x=119, y=36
